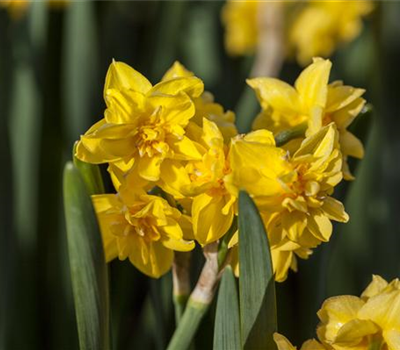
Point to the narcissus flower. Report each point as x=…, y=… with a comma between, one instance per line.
x=291, y=192
x=213, y=207
x=311, y=102
x=322, y=25
x=349, y=322
x=144, y=125
x=240, y=21
x=145, y=229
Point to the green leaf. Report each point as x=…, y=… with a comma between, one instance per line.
x=227, y=322
x=87, y=263
x=256, y=281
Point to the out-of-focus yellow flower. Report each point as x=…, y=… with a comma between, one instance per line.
x=16, y=9
x=144, y=125
x=205, y=105
x=312, y=102
x=322, y=25
x=143, y=228
x=213, y=207
x=292, y=193
x=240, y=21
x=284, y=344
x=349, y=322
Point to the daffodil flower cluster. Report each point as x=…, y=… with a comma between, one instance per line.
x=177, y=164
x=352, y=323
x=313, y=28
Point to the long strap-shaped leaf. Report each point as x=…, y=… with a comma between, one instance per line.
x=256, y=281
x=227, y=322
x=87, y=263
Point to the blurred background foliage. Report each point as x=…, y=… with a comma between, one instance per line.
x=53, y=62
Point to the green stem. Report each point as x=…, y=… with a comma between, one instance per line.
x=376, y=344
x=285, y=136
x=181, y=283
x=188, y=326
x=180, y=302
x=223, y=246
x=199, y=301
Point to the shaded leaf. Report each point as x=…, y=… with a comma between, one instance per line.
x=227, y=322
x=256, y=281
x=87, y=262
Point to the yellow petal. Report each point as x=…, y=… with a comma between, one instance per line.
x=277, y=94
x=177, y=70
x=183, y=148
x=340, y=96
x=149, y=167
x=377, y=285
x=392, y=339
x=120, y=76
x=209, y=222
x=281, y=262
x=158, y=262
x=351, y=145
x=178, y=244
x=173, y=178
x=354, y=331
x=312, y=84
x=319, y=225
x=313, y=345
x=263, y=136
x=124, y=107
x=335, y=312
x=334, y=210
x=190, y=85
x=282, y=342
x=383, y=309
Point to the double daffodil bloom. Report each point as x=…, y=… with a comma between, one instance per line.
x=313, y=103
x=292, y=193
x=144, y=125
x=213, y=207
x=323, y=25
x=349, y=322
x=143, y=228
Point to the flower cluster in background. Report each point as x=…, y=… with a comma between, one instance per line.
x=313, y=28
x=178, y=163
x=351, y=323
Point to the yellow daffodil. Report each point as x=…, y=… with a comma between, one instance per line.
x=240, y=21
x=144, y=125
x=349, y=322
x=213, y=207
x=291, y=192
x=311, y=102
x=205, y=105
x=284, y=344
x=143, y=228
x=322, y=25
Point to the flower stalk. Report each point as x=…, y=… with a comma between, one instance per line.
x=199, y=301
x=181, y=283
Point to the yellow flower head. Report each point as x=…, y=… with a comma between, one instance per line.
x=143, y=124
x=240, y=21
x=322, y=25
x=313, y=102
x=143, y=228
x=292, y=193
x=213, y=207
x=349, y=322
